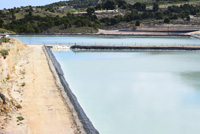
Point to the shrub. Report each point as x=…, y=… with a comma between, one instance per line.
x=4, y=39
x=155, y=6
x=134, y=28
x=4, y=52
x=20, y=118
x=188, y=18
x=23, y=84
x=166, y=20
x=137, y=23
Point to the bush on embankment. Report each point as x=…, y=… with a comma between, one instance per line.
x=4, y=52
x=4, y=40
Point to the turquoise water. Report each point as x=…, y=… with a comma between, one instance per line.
x=108, y=40
x=138, y=92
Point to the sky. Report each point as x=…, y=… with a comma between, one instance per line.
x=18, y=3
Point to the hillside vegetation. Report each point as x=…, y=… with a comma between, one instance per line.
x=110, y=14
x=4, y=31
x=88, y=3
x=75, y=3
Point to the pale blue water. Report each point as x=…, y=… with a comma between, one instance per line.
x=138, y=92
x=108, y=40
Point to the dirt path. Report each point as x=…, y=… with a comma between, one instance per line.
x=43, y=108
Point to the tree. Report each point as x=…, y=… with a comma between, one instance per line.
x=93, y=18
x=99, y=6
x=1, y=23
x=134, y=12
x=166, y=20
x=134, y=28
x=174, y=17
x=121, y=3
x=37, y=30
x=110, y=4
x=158, y=15
x=174, y=9
x=128, y=17
x=30, y=11
x=82, y=22
x=90, y=11
x=188, y=18
x=113, y=21
x=137, y=23
x=139, y=6
x=29, y=29
x=145, y=15
x=67, y=25
x=155, y=7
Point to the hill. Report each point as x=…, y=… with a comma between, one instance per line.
x=62, y=18
x=75, y=3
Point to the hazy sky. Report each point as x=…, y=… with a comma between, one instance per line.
x=18, y=3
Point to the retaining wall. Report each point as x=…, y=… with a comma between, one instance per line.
x=110, y=47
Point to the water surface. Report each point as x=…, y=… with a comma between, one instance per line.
x=139, y=92
x=108, y=40
x=136, y=92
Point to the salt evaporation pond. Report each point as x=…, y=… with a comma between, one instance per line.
x=107, y=40
x=138, y=92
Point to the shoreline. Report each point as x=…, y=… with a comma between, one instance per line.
x=69, y=98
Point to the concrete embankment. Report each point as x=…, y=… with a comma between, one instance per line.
x=70, y=99
x=118, y=47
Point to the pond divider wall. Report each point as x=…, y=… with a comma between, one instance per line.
x=87, y=125
x=121, y=47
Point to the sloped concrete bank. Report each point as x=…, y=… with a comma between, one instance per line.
x=80, y=118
